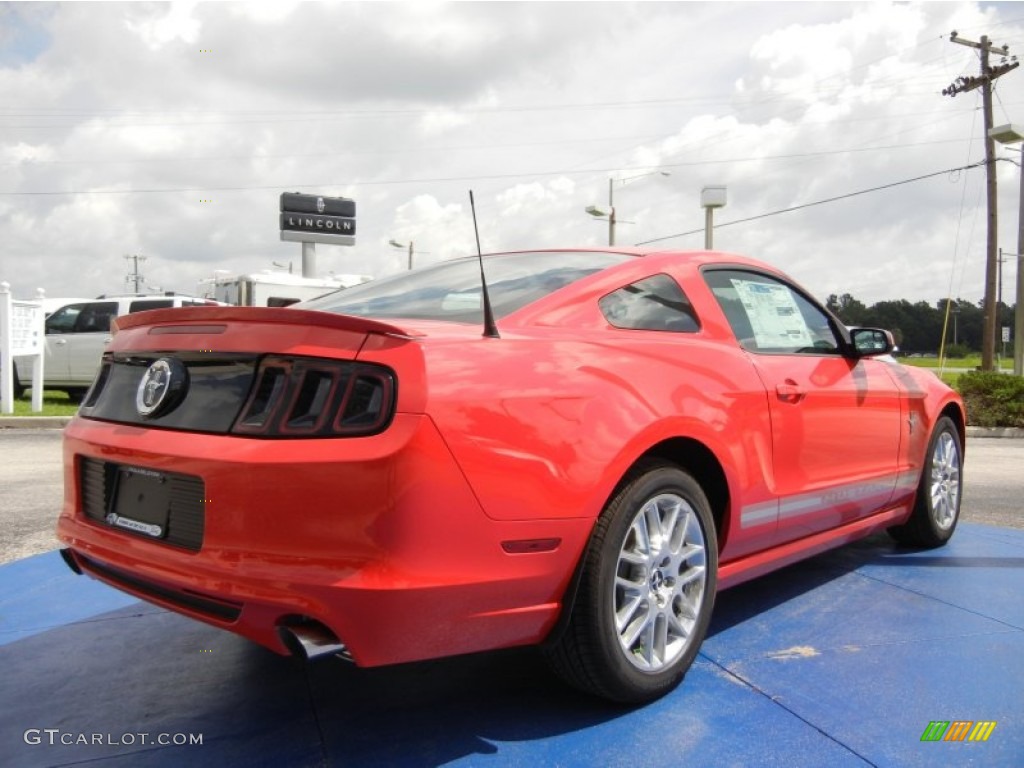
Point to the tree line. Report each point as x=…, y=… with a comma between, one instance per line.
x=918, y=326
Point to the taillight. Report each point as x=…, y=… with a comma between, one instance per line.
x=313, y=397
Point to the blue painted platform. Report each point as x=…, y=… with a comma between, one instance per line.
x=842, y=660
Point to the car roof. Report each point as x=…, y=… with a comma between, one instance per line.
x=697, y=258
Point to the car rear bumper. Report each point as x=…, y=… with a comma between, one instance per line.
x=351, y=534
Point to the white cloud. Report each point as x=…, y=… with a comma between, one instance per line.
x=177, y=24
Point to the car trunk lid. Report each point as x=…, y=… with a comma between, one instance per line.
x=267, y=372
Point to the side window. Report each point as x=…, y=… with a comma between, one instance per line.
x=142, y=306
x=63, y=320
x=96, y=317
x=767, y=315
x=656, y=303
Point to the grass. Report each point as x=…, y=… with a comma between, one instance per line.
x=953, y=367
x=54, y=404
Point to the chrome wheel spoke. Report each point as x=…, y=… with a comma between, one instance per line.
x=643, y=536
x=629, y=604
x=669, y=528
x=677, y=625
x=640, y=626
x=652, y=526
x=689, y=576
x=659, y=639
x=691, y=551
x=633, y=558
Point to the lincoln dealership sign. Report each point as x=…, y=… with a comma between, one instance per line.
x=317, y=219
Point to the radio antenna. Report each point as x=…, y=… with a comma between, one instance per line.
x=490, y=329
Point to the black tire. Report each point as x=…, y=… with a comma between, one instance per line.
x=937, y=506
x=19, y=388
x=672, y=599
x=77, y=394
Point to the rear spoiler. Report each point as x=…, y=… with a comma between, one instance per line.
x=185, y=316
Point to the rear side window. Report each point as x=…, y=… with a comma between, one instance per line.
x=450, y=290
x=656, y=303
x=96, y=317
x=142, y=306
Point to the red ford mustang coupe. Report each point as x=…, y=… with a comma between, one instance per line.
x=369, y=475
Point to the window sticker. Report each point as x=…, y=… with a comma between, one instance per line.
x=773, y=314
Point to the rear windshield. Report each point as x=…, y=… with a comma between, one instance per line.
x=450, y=290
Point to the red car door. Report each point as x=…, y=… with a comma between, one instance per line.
x=835, y=419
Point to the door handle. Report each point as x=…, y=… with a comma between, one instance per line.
x=60, y=342
x=108, y=339
x=790, y=391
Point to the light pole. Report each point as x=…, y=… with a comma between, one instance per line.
x=593, y=210
x=711, y=198
x=402, y=246
x=1013, y=134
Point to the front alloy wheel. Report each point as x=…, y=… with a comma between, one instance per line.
x=944, y=481
x=937, y=507
x=646, y=591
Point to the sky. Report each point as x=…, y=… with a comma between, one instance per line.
x=169, y=130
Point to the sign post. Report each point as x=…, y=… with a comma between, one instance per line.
x=21, y=334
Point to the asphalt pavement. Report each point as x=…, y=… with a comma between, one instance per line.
x=31, y=491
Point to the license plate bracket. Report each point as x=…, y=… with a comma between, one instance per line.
x=141, y=502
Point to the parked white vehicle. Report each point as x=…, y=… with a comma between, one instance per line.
x=78, y=332
x=273, y=289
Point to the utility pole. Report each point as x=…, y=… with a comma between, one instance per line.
x=962, y=85
x=999, y=292
x=611, y=216
x=134, y=274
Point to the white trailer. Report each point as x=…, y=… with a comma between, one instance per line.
x=273, y=289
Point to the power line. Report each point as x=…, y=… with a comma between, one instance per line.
x=816, y=202
x=446, y=179
x=419, y=149
x=28, y=163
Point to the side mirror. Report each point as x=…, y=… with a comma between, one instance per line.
x=869, y=342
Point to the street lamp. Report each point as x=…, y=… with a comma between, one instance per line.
x=396, y=244
x=1012, y=134
x=711, y=198
x=593, y=210
x=403, y=246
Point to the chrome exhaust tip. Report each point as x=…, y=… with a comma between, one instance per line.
x=309, y=640
x=69, y=560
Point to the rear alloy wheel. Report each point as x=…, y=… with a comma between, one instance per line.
x=647, y=589
x=937, y=507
